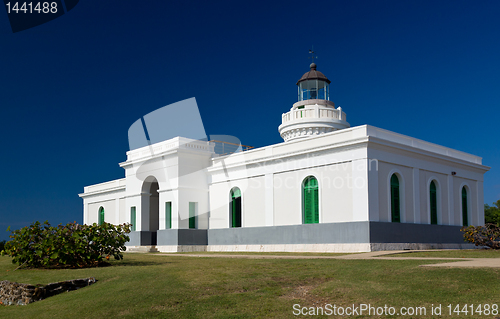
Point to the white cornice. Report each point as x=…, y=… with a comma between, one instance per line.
x=420, y=151
x=183, y=187
x=369, y=136
x=145, y=158
x=103, y=192
x=336, y=147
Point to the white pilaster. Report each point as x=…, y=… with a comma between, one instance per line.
x=373, y=193
x=117, y=211
x=450, y=200
x=144, y=212
x=269, y=199
x=359, y=190
x=416, y=196
x=480, y=204
x=85, y=212
x=175, y=209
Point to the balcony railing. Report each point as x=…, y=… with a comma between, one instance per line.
x=312, y=113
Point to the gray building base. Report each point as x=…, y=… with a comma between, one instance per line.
x=381, y=232
x=293, y=234
x=142, y=238
x=168, y=237
x=350, y=236
x=335, y=233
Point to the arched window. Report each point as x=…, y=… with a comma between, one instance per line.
x=433, y=201
x=235, y=207
x=395, y=200
x=465, y=219
x=101, y=215
x=310, y=200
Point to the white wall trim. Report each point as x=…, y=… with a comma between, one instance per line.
x=417, y=214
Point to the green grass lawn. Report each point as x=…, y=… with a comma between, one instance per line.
x=452, y=253
x=169, y=286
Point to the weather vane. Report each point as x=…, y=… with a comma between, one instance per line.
x=311, y=52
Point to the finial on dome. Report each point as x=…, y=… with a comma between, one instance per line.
x=311, y=52
x=313, y=66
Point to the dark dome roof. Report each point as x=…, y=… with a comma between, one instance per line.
x=313, y=74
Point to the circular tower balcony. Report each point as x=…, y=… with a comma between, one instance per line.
x=311, y=117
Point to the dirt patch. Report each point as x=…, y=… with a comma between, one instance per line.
x=306, y=295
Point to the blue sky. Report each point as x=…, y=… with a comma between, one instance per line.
x=71, y=88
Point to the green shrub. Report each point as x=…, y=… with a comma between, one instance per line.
x=2, y=245
x=70, y=246
x=487, y=235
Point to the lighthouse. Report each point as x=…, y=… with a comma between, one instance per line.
x=313, y=113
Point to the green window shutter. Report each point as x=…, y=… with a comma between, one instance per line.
x=315, y=205
x=233, y=212
x=465, y=219
x=433, y=200
x=235, y=207
x=395, y=200
x=307, y=207
x=310, y=195
x=132, y=217
x=101, y=215
x=315, y=198
x=168, y=215
x=237, y=212
x=192, y=215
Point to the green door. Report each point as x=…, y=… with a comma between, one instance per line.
x=310, y=203
x=132, y=218
x=433, y=200
x=236, y=207
x=395, y=201
x=465, y=219
x=168, y=215
x=101, y=215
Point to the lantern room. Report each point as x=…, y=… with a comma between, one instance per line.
x=313, y=85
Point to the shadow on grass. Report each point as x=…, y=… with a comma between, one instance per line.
x=125, y=263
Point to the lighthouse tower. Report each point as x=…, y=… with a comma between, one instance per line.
x=314, y=113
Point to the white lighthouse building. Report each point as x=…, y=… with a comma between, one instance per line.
x=328, y=187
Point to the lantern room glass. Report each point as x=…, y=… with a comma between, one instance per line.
x=314, y=89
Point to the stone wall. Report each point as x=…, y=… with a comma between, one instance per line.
x=13, y=293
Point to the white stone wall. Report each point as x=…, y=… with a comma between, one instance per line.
x=253, y=202
x=405, y=187
x=123, y=214
x=441, y=181
x=335, y=194
x=415, y=185
x=109, y=211
x=169, y=196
